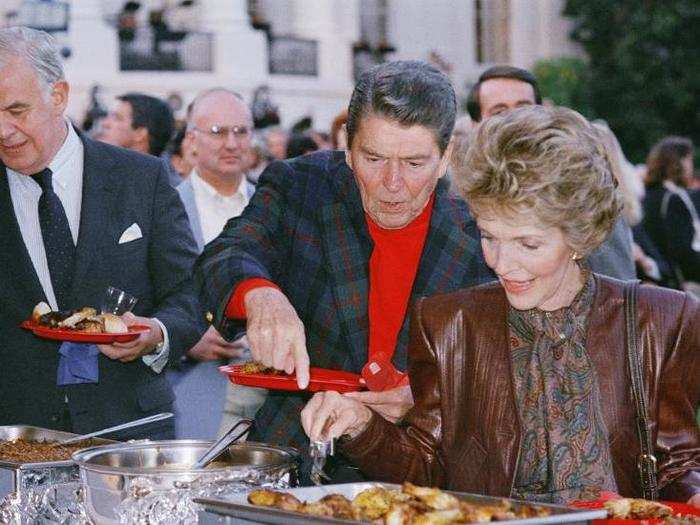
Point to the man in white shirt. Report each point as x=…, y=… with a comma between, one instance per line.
x=79, y=216
x=219, y=128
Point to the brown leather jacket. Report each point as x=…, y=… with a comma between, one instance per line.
x=463, y=432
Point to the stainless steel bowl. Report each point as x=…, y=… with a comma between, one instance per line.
x=113, y=474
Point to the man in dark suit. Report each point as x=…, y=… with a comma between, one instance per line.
x=334, y=247
x=79, y=216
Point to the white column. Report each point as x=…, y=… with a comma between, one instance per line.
x=335, y=25
x=240, y=52
x=94, y=56
x=94, y=43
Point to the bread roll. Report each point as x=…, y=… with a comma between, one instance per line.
x=39, y=310
x=114, y=324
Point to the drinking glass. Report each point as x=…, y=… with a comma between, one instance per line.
x=117, y=301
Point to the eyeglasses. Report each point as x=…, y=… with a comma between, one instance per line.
x=222, y=132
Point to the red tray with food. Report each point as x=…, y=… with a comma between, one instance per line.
x=321, y=379
x=84, y=325
x=77, y=336
x=631, y=511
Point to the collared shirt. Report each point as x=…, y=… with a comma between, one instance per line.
x=67, y=181
x=67, y=169
x=215, y=209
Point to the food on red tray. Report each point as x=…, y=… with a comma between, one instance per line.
x=24, y=451
x=85, y=320
x=410, y=504
x=40, y=310
x=636, y=509
x=253, y=367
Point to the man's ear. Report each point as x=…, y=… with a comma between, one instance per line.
x=59, y=96
x=141, y=136
x=446, y=158
x=348, y=158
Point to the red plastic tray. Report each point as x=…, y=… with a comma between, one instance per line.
x=321, y=379
x=83, y=337
x=681, y=509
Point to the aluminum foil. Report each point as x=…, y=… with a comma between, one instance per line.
x=57, y=503
x=146, y=506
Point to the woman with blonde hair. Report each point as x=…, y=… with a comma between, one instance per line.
x=532, y=386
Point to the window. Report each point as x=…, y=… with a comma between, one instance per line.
x=492, y=30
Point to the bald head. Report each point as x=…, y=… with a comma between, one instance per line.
x=220, y=126
x=212, y=100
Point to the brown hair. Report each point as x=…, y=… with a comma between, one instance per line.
x=664, y=160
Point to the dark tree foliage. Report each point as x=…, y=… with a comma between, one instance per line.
x=566, y=82
x=644, y=58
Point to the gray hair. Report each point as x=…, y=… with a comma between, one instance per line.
x=257, y=142
x=204, y=94
x=410, y=92
x=37, y=48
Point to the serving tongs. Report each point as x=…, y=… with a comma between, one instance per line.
x=319, y=452
x=123, y=426
x=224, y=442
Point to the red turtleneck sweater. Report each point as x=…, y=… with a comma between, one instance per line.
x=393, y=266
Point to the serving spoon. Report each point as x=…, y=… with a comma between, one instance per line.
x=223, y=443
x=123, y=426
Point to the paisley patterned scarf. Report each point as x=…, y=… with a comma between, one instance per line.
x=565, y=452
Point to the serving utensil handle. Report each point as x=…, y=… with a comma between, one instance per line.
x=123, y=426
x=223, y=442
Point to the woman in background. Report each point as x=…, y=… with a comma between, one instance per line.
x=651, y=266
x=670, y=216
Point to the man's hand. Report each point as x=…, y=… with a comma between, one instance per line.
x=212, y=346
x=140, y=346
x=695, y=501
x=276, y=334
x=392, y=404
x=330, y=415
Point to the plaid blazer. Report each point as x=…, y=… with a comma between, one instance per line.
x=305, y=230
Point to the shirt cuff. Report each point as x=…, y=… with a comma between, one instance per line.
x=159, y=357
x=235, y=309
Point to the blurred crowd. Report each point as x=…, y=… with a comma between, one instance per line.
x=661, y=196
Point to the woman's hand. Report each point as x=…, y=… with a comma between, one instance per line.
x=392, y=404
x=330, y=415
x=695, y=501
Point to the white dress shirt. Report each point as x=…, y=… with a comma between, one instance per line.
x=216, y=209
x=67, y=181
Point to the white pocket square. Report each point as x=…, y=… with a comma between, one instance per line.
x=132, y=233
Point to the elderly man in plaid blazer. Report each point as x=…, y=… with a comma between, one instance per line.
x=334, y=247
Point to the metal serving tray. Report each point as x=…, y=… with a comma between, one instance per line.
x=237, y=509
x=18, y=477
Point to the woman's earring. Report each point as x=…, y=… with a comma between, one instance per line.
x=574, y=256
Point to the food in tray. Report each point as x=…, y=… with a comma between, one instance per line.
x=85, y=320
x=410, y=505
x=254, y=367
x=636, y=509
x=25, y=451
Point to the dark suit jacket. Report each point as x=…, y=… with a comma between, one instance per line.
x=120, y=188
x=674, y=234
x=305, y=230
